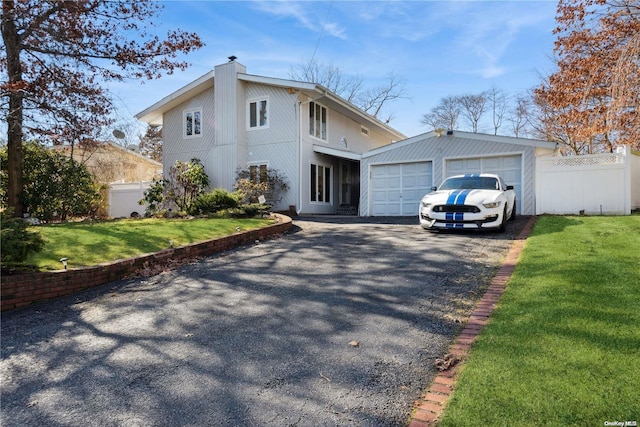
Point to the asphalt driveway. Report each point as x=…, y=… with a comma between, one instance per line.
x=337, y=323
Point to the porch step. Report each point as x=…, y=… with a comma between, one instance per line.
x=346, y=210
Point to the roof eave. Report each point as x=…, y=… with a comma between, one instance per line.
x=153, y=114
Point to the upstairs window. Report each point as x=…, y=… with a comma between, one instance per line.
x=192, y=123
x=317, y=121
x=258, y=114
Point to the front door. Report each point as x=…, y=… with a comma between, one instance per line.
x=345, y=182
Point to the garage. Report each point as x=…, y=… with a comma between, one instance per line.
x=398, y=188
x=394, y=177
x=509, y=167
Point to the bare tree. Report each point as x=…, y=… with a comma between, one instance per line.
x=472, y=108
x=352, y=88
x=519, y=114
x=497, y=100
x=331, y=77
x=444, y=115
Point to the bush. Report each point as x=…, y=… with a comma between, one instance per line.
x=254, y=209
x=261, y=181
x=187, y=181
x=154, y=197
x=56, y=187
x=215, y=201
x=16, y=241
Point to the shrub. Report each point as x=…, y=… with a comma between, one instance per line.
x=56, y=187
x=261, y=181
x=154, y=197
x=254, y=209
x=187, y=181
x=16, y=241
x=215, y=201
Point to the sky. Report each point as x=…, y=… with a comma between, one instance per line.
x=436, y=48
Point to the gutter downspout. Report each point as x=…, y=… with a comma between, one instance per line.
x=299, y=147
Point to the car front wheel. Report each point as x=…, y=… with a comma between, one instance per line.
x=503, y=223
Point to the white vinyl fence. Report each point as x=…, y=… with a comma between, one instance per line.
x=123, y=198
x=597, y=184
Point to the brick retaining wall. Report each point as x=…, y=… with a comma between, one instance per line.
x=24, y=289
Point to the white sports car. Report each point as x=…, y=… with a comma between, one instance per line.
x=472, y=201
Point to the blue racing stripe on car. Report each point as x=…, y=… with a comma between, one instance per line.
x=452, y=197
x=461, y=197
x=449, y=216
x=459, y=216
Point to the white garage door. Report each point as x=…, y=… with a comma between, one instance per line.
x=397, y=188
x=508, y=167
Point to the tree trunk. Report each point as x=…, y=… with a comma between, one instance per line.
x=14, y=117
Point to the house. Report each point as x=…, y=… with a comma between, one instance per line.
x=337, y=158
x=230, y=119
x=127, y=173
x=401, y=173
x=109, y=162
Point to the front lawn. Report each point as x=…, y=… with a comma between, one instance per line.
x=563, y=345
x=86, y=244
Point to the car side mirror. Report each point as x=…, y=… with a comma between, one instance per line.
x=509, y=187
x=434, y=188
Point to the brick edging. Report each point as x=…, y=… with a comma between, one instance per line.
x=24, y=289
x=432, y=405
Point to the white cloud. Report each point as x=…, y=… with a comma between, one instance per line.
x=310, y=15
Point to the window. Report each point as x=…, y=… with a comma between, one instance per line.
x=317, y=121
x=320, y=184
x=192, y=123
x=258, y=173
x=258, y=117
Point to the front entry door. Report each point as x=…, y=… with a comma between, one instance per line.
x=345, y=182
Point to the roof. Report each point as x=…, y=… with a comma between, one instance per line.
x=153, y=114
x=343, y=154
x=459, y=135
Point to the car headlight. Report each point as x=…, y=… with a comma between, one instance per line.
x=492, y=205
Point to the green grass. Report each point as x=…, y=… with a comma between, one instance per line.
x=563, y=346
x=86, y=244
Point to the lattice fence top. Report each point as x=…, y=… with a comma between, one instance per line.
x=593, y=160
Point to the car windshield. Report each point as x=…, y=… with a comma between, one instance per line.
x=470, y=183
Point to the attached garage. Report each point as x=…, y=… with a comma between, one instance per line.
x=509, y=167
x=396, y=176
x=397, y=188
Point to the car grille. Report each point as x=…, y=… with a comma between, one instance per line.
x=456, y=208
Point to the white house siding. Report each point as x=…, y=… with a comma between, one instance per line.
x=176, y=147
x=338, y=127
x=230, y=148
x=443, y=149
x=277, y=145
